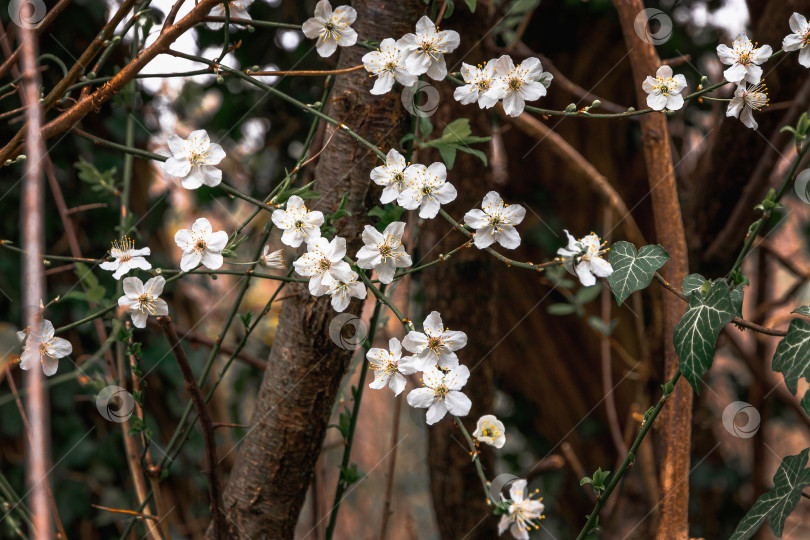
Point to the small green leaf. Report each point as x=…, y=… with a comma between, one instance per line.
x=737, y=301
x=561, y=309
x=588, y=294
x=788, y=482
x=94, y=292
x=351, y=474
x=99, y=181
x=386, y=215
x=599, y=325
x=696, y=333
x=804, y=310
x=792, y=356
x=471, y=5
x=633, y=270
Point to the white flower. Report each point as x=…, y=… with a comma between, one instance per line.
x=297, y=222
x=746, y=100
x=583, y=258
x=424, y=51
x=323, y=264
x=664, y=90
x=126, y=258
x=272, y=260
x=389, y=367
x=343, y=291
x=142, y=299
x=383, y=251
x=391, y=176
x=201, y=244
x=388, y=64
x=193, y=160
x=426, y=188
x=479, y=80
x=331, y=28
x=490, y=430
x=496, y=222
x=50, y=349
x=524, y=513
x=237, y=8
x=516, y=85
x=799, y=39
x=744, y=60
x=437, y=346
x=441, y=393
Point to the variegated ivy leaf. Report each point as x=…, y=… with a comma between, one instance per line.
x=633, y=270
x=694, y=282
x=805, y=403
x=792, y=357
x=804, y=310
x=788, y=482
x=696, y=333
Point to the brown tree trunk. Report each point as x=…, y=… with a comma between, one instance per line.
x=272, y=473
x=676, y=419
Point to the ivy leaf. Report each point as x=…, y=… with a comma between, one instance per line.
x=471, y=5
x=633, y=270
x=737, y=296
x=804, y=310
x=805, y=403
x=691, y=283
x=792, y=357
x=696, y=333
x=788, y=482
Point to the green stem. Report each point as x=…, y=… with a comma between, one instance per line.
x=756, y=227
x=358, y=396
x=474, y=453
x=384, y=299
x=89, y=318
x=631, y=455
x=506, y=260
x=7, y=244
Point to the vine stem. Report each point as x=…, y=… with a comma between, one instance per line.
x=358, y=396
x=756, y=227
x=648, y=422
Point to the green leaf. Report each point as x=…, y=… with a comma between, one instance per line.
x=804, y=310
x=98, y=180
x=599, y=325
x=471, y=5
x=805, y=403
x=696, y=333
x=457, y=135
x=632, y=270
x=386, y=215
x=351, y=474
x=588, y=294
x=691, y=283
x=93, y=293
x=792, y=356
x=737, y=301
x=788, y=482
x=561, y=309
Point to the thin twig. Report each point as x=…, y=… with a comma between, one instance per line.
x=306, y=73
x=207, y=425
x=392, y=463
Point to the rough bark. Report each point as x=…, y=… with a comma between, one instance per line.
x=268, y=483
x=675, y=424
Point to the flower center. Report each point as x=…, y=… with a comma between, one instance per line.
x=390, y=66
x=200, y=245
x=514, y=84
x=435, y=344
x=325, y=264
x=299, y=223
x=145, y=303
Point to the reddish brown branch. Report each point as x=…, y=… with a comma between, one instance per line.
x=86, y=104
x=217, y=515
